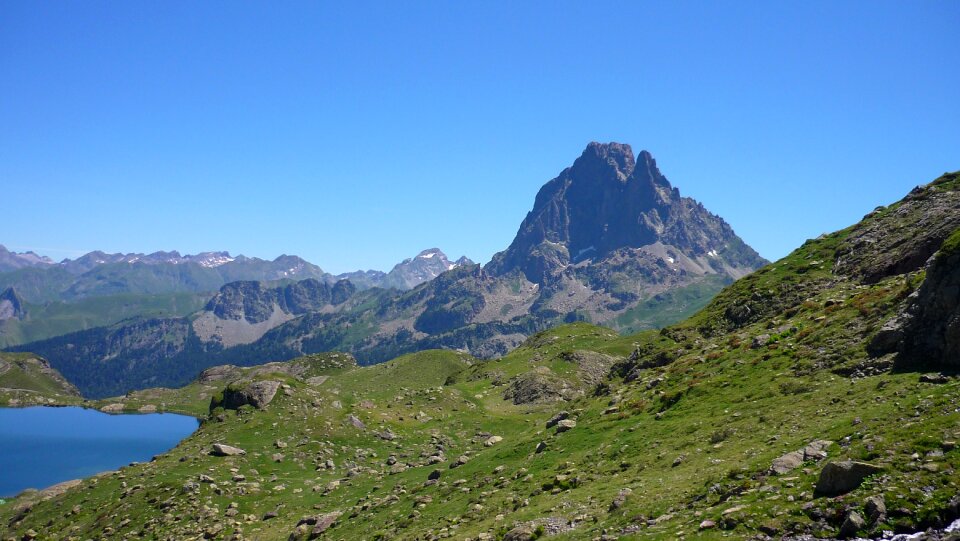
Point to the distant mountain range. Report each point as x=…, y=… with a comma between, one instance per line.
x=609, y=240
x=101, y=289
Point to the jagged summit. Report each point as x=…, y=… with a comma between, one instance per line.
x=607, y=201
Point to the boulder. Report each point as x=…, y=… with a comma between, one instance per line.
x=841, y=477
x=492, y=440
x=565, y=425
x=875, y=508
x=221, y=449
x=851, y=525
x=313, y=527
x=816, y=450
x=257, y=394
x=561, y=415
x=787, y=462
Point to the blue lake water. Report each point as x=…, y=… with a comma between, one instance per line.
x=43, y=446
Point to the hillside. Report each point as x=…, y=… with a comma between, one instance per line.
x=793, y=405
x=608, y=241
x=28, y=380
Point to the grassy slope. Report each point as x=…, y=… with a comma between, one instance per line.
x=24, y=381
x=693, y=438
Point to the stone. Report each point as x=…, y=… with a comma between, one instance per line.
x=541, y=447
x=222, y=449
x=492, y=440
x=561, y=415
x=707, y=525
x=816, y=450
x=434, y=475
x=875, y=508
x=841, y=477
x=565, y=425
x=787, y=462
x=852, y=524
x=356, y=422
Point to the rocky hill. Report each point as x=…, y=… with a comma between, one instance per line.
x=643, y=257
x=812, y=399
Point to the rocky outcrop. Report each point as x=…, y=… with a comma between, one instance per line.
x=257, y=394
x=931, y=323
x=901, y=238
x=11, y=305
x=255, y=302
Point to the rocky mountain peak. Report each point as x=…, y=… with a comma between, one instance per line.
x=607, y=201
x=613, y=157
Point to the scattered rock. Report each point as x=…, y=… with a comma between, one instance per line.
x=620, y=499
x=565, y=425
x=221, y=449
x=841, y=477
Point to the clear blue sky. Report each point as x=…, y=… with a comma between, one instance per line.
x=356, y=134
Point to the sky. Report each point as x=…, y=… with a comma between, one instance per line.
x=356, y=134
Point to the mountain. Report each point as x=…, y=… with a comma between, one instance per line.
x=409, y=273
x=815, y=398
x=606, y=206
x=643, y=257
x=10, y=261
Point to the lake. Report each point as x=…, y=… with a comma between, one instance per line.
x=42, y=446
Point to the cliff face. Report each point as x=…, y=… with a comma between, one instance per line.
x=11, y=305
